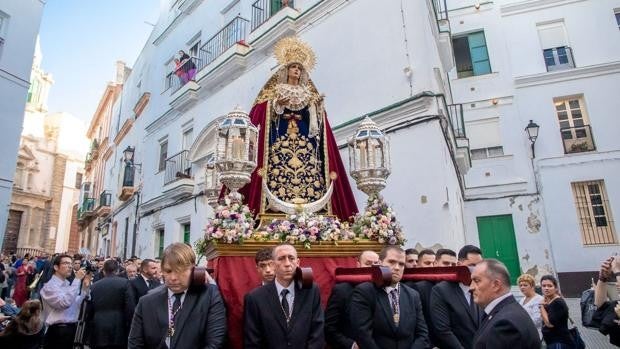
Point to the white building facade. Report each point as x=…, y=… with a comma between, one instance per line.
x=19, y=27
x=439, y=77
x=555, y=63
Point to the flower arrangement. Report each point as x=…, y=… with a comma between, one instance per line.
x=306, y=229
x=233, y=222
x=378, y=223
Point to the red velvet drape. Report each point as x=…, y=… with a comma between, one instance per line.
x=343, y=202
x=236, y=276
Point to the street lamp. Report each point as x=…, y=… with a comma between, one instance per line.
x=128, y=154
x=532, y=134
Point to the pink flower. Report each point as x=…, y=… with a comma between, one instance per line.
x=225, y=213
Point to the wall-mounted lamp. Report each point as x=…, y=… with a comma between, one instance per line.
x=532, y=134
x=477, y=6
x=128, y=154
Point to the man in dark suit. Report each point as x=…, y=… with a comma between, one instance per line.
x=139, y=286
x=507, y=325
x=427, y=258
x=391, y=316
x=280, y=314
x=179, y=315
x=107, y=315
x=455, y=316
x=338, y=331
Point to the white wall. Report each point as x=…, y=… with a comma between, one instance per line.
x=15, y=65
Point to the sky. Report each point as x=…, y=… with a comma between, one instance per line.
x=81, y=40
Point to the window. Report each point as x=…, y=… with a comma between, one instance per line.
x=471, y=55
x=193, y=51
x=556, y=51
x=595, y=220
x=163, y=155
x=574, y=129
x=617, y=14
x=484, y=153
x=186, y=233
x=78, y=180
x=484, y=138
x=187, y=139
x=4, y=21
x=159, y=242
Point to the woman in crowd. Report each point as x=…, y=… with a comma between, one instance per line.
x=554, y=313
x=26, y=330
x=531, y=300
x=21, y=292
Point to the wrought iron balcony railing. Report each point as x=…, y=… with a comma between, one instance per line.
x=456, y=118
x=577, y=139
x=262, y=10
x=558, y=58
x=105, y=199
x=128, y=176
x=182, y=75
x=235, y=31
x=177, y=167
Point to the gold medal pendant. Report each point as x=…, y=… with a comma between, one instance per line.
x=170, y=331
x=396, y=318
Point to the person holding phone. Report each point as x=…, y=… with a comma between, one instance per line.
x=606, y=299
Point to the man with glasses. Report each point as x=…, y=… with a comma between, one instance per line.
x=61, y=303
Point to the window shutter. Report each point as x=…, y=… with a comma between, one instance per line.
x=483, y=133
x=552, y=35
x=479, y=53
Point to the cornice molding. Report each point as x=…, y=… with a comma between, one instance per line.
x=567, y=75
x=532, y=5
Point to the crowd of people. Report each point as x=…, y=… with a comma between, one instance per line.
x=148, y=303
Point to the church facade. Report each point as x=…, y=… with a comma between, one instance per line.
x=436, y=76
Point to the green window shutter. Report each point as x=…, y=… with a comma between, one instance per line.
x=161, y=243
x=186, y=233
x=479, y=53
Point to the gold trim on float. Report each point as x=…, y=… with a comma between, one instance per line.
x=344, y=248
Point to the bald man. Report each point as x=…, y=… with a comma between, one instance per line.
x=338, y=331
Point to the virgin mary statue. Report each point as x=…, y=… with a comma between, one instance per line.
x=299, y=164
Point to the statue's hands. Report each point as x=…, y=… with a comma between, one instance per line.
x=282, y=101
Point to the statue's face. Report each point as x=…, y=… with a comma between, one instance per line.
x=294, y=71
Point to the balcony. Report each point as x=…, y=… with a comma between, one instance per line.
x=235, y=32
x=558, y=58
x=462, y=155
x=577, y=139
x=178, y=180
x=87, y=208
x=262, y=10
x=441, y=15
x=127, y=185
x=177, y=167
x=105, y=201
x=182, y=75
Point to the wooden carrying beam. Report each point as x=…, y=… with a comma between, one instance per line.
x=379, y=275
x=382, y=276
x=455, y=274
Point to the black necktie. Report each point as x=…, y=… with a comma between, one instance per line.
x=152, y=284
x=285, y=306
x=177, y=304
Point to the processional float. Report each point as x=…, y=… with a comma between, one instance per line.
x=284, y=181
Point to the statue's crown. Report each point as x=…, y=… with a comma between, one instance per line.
x=292, y=50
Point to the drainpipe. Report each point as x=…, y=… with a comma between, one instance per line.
x=135, y=226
